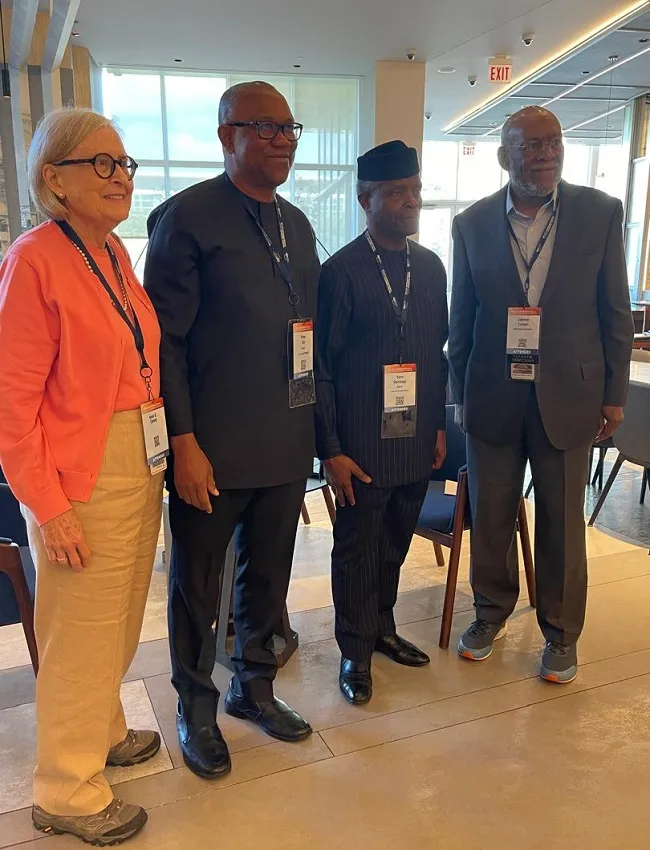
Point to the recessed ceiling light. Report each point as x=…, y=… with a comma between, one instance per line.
x=297, y=66
x=643, y=41
x=178, y=60
x=75, y=33
x=446, y=70
x=586, y=72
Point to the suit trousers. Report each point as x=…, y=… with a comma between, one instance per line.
x=88, y=625
x=264, y=522
x=496, y=478
x=371, y=542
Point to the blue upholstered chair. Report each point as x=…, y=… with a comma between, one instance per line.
x=444, y=518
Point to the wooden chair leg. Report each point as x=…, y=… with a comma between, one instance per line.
x=644, y=485
x=12, y=566
x=440, y=555
x=454, y=560
x=529, y=569
x=329, y=501
x=529, y=489
x=305, y=514
x=591, y=463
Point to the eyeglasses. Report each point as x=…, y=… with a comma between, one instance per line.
x=268, y=130
x=535, y=147
x=105, y=165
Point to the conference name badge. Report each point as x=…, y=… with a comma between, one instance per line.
x=302, y=388
x=400, y=401
x=522, y=343
x=154, y=429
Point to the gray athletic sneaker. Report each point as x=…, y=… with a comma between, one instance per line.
x=113, y=825
x=138, y=746
x=559, y=663
x=477, y=642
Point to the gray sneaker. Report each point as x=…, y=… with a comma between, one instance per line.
x=138, y=746
x=559, y=663
x=113, y=825
x=477, y=642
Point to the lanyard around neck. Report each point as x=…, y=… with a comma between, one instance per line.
x=400, y=312
x=281, y=260
x=134, y=326
x=530, y=264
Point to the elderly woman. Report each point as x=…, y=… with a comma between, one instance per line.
x=82, y=445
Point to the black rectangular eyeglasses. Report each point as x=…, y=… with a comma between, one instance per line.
x=268, y=130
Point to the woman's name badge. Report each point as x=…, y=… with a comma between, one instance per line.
x=156, y=441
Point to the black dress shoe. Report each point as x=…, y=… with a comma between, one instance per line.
x=204, y=750
x=273, y=716
x=401, y=651
x=355, y=681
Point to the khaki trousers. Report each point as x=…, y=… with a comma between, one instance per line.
x=88, y=625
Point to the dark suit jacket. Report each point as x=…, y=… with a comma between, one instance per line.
x=586, y=330
x=224, y=311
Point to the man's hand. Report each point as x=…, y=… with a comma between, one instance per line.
x=611, y=418
x=338, y=472
x=441, y=449
x=193, y=474
x=64, y=542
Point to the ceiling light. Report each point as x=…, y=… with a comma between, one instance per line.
x=75, y=33
x=586, y=72
x=178, y=60
x=446, y=70
x=596, y=118
x=643, y=41
x=606, y=26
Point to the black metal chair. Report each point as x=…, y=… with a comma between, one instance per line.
x=17, y=573
x=444, y=518
x=632, y=439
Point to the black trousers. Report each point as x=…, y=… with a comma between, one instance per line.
x=496, y=478
x=371, y=542
x=264, y=522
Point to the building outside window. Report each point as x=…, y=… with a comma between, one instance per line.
x=169, y=122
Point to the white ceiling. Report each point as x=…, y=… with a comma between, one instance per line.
x=343, y=37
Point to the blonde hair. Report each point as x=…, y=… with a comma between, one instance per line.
x=57, y=135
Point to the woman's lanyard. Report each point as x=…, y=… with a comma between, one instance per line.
x=134, y=326
x=281, y=260
x=400, y=313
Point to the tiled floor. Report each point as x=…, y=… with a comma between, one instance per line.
x=452, y=757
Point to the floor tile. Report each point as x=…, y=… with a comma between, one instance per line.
x=566, y=773
x=18, y=747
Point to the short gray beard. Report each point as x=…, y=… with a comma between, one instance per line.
x=530, y=190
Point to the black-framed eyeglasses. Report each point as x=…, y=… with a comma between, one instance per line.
x=268, y=130
x=105, y=164
x=536, y=146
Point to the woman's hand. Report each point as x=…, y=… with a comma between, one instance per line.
x=64, y=541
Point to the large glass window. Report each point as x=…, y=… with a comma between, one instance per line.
x=169, y=121
x=457, y=174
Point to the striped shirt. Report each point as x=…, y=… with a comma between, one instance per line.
x=356, y=336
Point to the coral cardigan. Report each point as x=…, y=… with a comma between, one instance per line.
x=63, y=354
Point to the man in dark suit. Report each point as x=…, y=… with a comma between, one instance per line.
x=232, y=271
x=539, y=350
x=380, y=414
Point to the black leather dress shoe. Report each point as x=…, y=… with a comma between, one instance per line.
x=273, y=716
x=355, y=681
x=401, y=651
x=204, y=750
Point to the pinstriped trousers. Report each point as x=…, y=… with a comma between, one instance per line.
x=88, y=625
x=371, y=542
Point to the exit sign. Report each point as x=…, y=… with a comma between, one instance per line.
x=500, y=70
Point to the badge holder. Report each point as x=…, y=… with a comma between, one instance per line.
x=154, y=428
x=300, y=345
x=522, y=344
x=399, y=416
